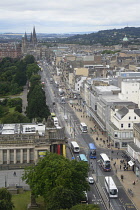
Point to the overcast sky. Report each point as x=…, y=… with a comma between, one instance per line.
x=62, y=16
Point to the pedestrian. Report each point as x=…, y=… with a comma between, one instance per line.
x=122, y=177
x=114, y=164
x=120, y=167
x=117, y=153
x=14, y=173
x=133, y=182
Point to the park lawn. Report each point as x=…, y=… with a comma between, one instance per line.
x=21, y=201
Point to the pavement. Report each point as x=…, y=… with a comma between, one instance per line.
x=128, y=175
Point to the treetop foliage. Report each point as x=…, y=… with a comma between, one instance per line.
x=59, y=180
x=5, y=200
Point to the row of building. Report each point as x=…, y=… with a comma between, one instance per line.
x=108, y=87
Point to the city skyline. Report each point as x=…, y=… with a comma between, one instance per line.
x=67, y=16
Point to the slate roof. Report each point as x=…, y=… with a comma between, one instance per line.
x=121, y=113
x=137, y=111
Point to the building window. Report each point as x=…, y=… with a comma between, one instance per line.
x=129, y=118
x=135, y=117
x=129, y=125
x=121, y=125
x=116, y=135
x=124, y=144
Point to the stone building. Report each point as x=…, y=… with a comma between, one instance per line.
x=22, y=144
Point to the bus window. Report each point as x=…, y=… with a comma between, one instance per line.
x=105, y=162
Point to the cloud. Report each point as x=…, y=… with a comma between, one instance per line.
x=67, y=15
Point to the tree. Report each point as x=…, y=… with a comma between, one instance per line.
x=31, y=70
x=37, y=104
x=5, y=200
x=15, y=117
x=60, y=181
x=12, y=102
x=85, y=207
x=35, y=80
x=29, y=59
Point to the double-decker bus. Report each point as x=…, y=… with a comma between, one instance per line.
x=75, y=146
x=105, y=162
x=83, y=127
x=110, y=186
x=82, y=157
x=92, y=151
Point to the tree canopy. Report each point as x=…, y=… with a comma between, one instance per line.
x=5, y=200
x=59, y=180
x=15, y=117
x=37, y=107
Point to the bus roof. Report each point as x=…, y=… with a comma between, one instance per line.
x=53, y=114
x=110, y=182
x=105, y=157
x=92, y=146
x=83, y=157
x=74, y=143
x=83, y=124
x=55, y=118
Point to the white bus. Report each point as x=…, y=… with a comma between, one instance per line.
x=110, y=186
x=105, y=162
x=55, y=120
x=83, y=127
x=75, y=146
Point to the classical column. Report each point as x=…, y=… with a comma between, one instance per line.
x=8, y=156
x=1, y=156
x=35, y=156
x=15, y=156
x=21, y=155
x=28, y=155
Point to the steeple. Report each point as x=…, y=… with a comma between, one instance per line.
x=25, y=37
x=34, y=38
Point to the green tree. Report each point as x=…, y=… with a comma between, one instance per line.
x=59, y=180
x=29, y=59
x=37, y=104
x=18, y=108
x=85, y=207
x=5, y=200
x=31, y=70
x=12, y=102
x=35, y=80
x=3, y=110
x=15, y=117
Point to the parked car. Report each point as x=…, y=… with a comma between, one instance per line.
x=90, y=180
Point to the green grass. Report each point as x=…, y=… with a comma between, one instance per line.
x=21, y=201
x=11, y=110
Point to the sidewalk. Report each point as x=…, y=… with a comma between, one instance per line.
x=129, y=175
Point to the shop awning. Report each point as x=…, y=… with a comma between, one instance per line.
x=131, y=163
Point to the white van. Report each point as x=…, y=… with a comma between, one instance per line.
x=55, y=120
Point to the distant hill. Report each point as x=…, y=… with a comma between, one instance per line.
x=106, y=37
